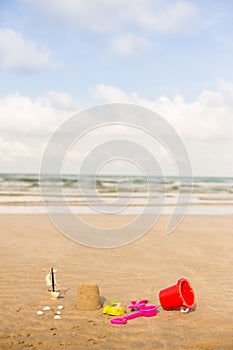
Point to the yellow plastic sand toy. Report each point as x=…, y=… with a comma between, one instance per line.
x=114, y=308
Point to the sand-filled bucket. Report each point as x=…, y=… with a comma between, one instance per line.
x=180, y=295
x=88, y=297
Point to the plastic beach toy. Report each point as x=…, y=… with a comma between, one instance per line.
x=115, y=303
x=51, y=282
x=178, y=296
x=114, y=308
x=147, y=311
x=137, y=304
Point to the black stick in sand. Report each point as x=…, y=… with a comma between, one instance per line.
x=52, y=273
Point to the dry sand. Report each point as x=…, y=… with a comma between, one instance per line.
x=200, y=249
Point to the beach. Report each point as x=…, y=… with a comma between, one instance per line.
x=199, y=249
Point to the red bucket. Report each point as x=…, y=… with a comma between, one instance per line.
x=177, y=296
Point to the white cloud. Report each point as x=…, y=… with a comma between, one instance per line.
x=205, y=124
x=108, y=93
x=60, y=101
x=22, y=115
x=27, y=124
x=18, y=53
x=104, y=16
x=209, y=117
x=129, y=45
x=15, y=149
x=164, y=17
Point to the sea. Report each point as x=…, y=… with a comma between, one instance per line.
x=89, y=194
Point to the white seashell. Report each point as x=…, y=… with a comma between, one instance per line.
x=46, y=308
x=58, y=313
x=60, y=307
x=57, y=317
x=40, y=312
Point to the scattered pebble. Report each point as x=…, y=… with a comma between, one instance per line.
x=60, y=307
x=58, y=313
x=46, y=308
x=57, y=317
x=40, y=312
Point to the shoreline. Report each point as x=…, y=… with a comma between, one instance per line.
x=200, y=249
x=193, y=209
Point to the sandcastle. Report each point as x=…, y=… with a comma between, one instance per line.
x=88, y=297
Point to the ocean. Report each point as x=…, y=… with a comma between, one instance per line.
x=21, y=194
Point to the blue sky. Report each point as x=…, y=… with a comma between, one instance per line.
x=174, y=57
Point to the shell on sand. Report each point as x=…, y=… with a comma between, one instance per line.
x=60, y=307
x=88, y=297
x=40, y=312
x=57, y=317
x=46, y=308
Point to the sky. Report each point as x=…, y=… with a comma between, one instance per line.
x=60, y=57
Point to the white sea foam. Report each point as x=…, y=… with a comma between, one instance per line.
x=20, y=193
